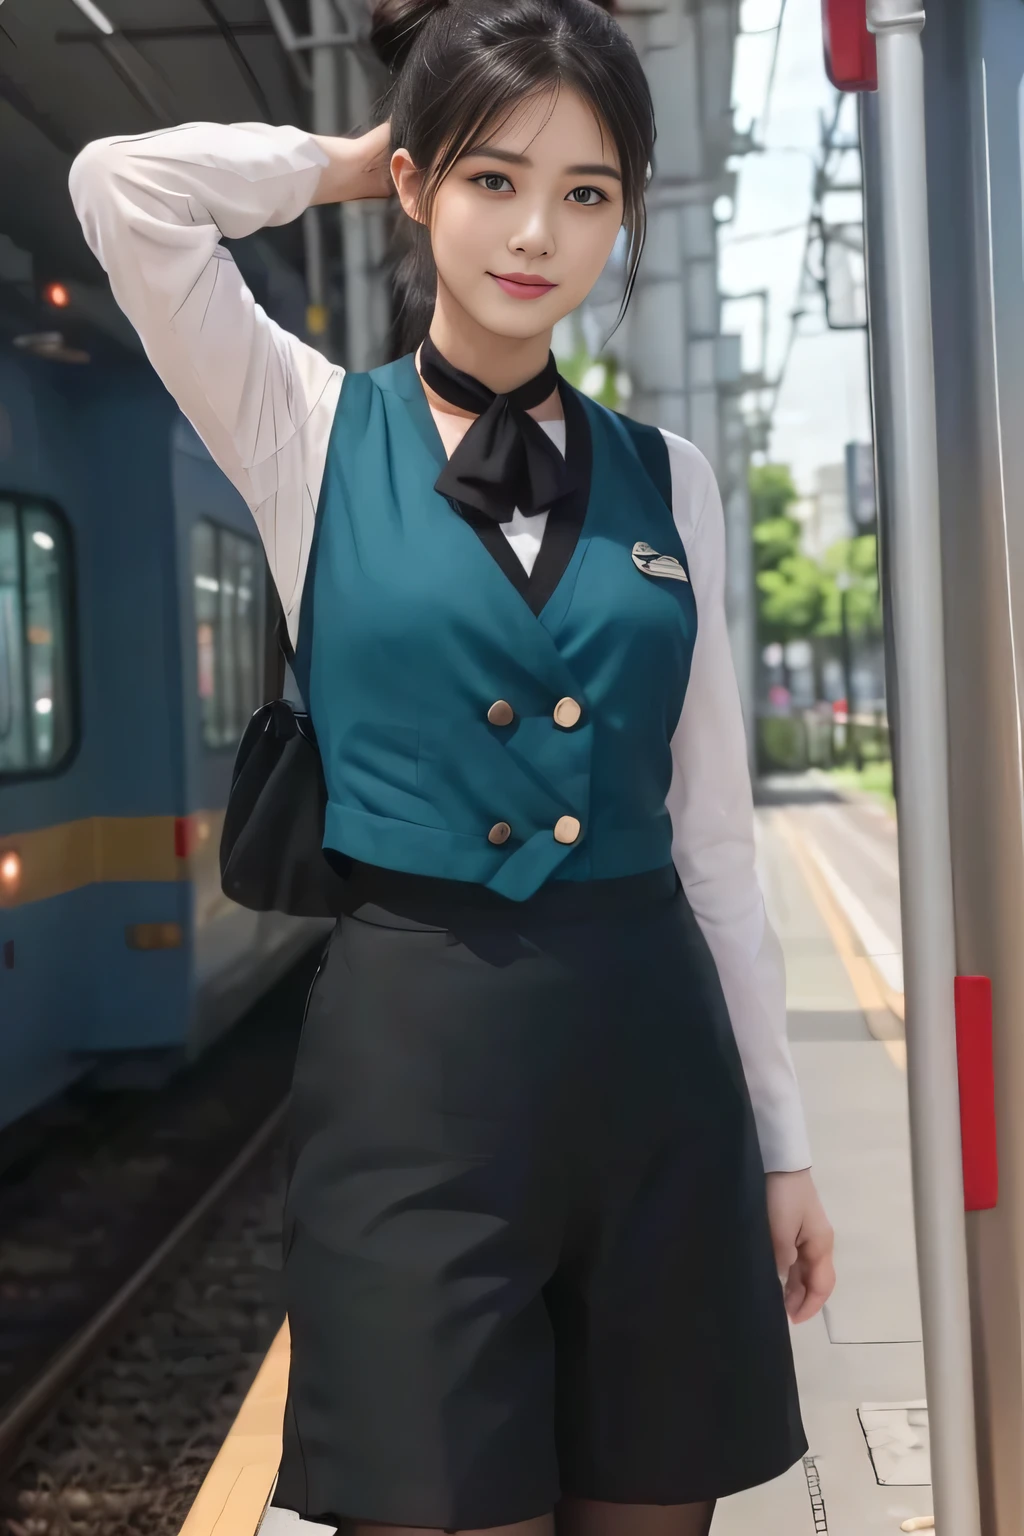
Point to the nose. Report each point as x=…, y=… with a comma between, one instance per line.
x=534, y=234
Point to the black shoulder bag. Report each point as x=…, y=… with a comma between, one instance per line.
x=271, y=846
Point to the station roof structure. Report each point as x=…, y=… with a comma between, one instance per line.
x=66, y=79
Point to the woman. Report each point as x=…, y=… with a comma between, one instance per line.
x=549, y=1160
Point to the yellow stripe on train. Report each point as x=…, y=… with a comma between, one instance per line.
x=51, y=861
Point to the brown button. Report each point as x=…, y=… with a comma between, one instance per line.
x=567, y=829
x=567, y=713
x=501, y=713
x=499, y=833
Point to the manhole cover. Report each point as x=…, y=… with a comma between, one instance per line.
x=897, y=1441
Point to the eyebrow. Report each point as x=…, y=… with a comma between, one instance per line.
x=511, y=158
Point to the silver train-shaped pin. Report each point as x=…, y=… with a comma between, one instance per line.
x=651, y=563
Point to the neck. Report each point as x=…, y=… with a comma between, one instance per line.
x=500, y=362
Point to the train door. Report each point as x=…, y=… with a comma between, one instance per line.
x=222, y=618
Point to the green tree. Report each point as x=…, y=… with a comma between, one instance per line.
x=790, y=589
x=792, y=599
x=577, y=369
x=775, y=540
x=772, y=492
x=799, y=598
x=859, y=559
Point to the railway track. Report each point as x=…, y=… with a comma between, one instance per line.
x=90, y=1239
x=29, y=1406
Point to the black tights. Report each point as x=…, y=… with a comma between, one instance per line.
x=587, y=1517
x=579, y=1517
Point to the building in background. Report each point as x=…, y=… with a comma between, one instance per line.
x=684, y=374
x=825, y=513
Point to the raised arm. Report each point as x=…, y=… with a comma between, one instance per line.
x=154, y=208
x=713, y=830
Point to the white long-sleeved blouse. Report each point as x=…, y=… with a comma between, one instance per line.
x=154, y=208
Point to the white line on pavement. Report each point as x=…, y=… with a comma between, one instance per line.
x=878, y=946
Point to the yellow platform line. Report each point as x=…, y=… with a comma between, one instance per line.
x=237, y=1488
x=883, y=1021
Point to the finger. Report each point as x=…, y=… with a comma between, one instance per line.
x=785, y=1257
x=794, y=1296
x=816, y=1245
x=817, y=1282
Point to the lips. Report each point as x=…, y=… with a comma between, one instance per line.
x=521, y=285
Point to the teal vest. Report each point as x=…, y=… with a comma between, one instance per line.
x=411, y=631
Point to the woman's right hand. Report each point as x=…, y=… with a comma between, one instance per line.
x=357, y=168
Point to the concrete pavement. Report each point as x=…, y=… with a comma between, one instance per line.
x=860, y=1363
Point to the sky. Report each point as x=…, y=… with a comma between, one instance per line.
x=823, y=403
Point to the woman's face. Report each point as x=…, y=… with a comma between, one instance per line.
x=523, y=224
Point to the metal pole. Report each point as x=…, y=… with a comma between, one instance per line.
x=316, y=286
x=324, y=69
x=924, y=837
x=326, y=120
x=852, y=745
x=359, y=309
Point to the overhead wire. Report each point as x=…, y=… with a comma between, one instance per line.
x=234, y=47
x=810, y=225
x=763, y=234
x=766, y=109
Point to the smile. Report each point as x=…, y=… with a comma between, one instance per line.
x=520, y=285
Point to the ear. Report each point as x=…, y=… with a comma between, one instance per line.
x=408, y=181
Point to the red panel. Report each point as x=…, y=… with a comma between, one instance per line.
x=849, y=46
x=184, y=837
x=977, y=1091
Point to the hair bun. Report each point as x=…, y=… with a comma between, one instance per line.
x=394, y=26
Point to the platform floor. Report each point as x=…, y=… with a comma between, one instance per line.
x=847, y=1043
x=829, y=874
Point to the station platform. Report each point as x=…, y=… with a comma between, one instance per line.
x=830, y=876
x=829, y=872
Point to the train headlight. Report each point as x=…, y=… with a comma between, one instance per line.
x=10, y=872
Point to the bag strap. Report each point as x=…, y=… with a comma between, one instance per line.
x=284, y=644
x=278, y=647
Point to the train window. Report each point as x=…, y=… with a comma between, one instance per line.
x=37, y=717
x=227, y=574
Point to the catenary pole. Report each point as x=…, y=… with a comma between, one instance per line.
x=926, y=882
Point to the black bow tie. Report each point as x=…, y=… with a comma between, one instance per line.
x=506, y=460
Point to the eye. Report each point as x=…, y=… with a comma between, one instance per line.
x=586, y=197
x=493, y=181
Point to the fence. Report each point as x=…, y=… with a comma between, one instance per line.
x=819, y=738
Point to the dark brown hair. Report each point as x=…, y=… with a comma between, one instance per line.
x=460, y=67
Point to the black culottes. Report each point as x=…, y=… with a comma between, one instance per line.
x=527, y=1250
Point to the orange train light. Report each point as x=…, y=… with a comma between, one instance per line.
x=10, y=872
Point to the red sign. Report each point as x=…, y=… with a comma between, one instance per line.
x=976, y=1073
x=849, y=46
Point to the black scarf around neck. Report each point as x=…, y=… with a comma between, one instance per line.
x=506, y=460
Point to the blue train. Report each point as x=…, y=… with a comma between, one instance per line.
x=134, y=618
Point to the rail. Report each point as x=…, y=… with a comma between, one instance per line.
x=19, y=1417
